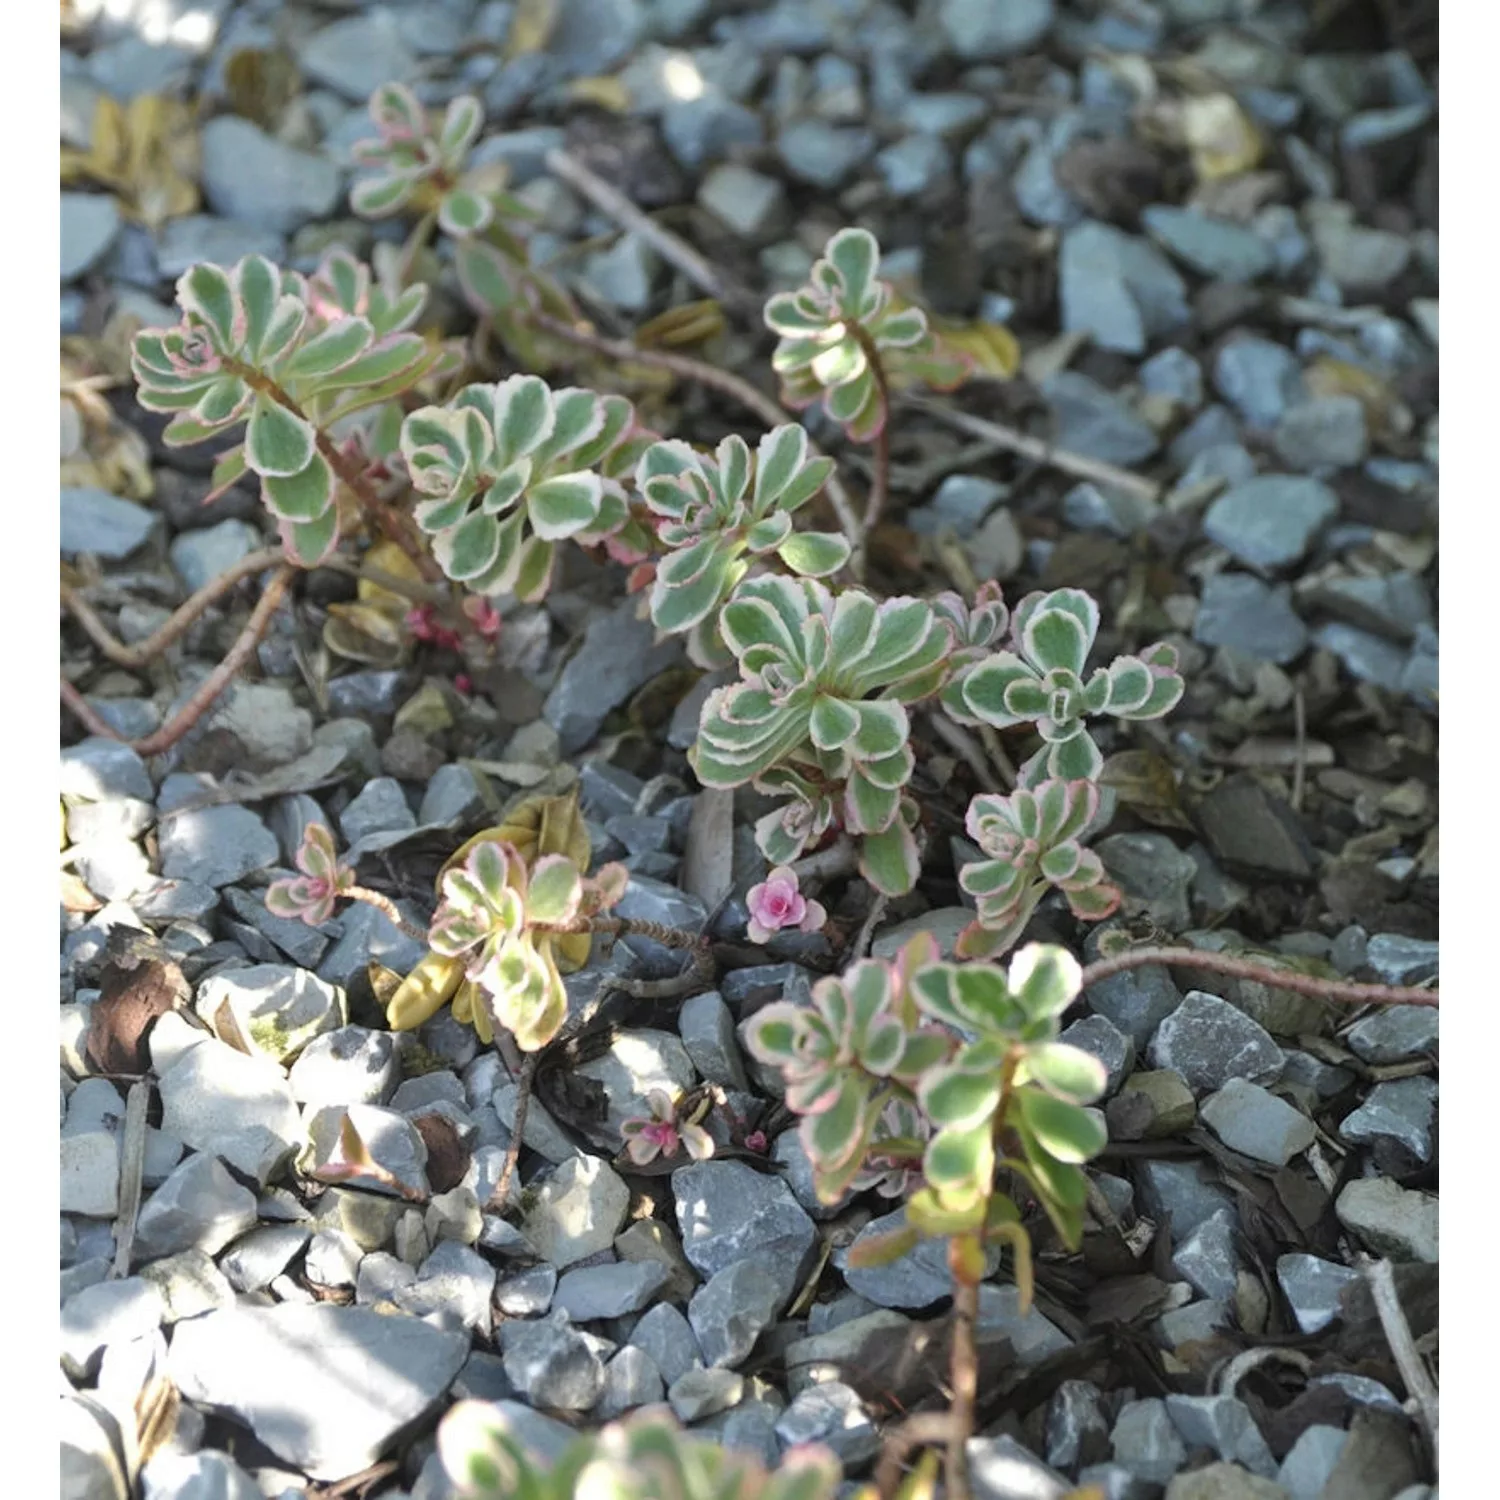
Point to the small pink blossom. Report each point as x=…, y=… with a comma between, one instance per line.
x=777, y=903
x=756, y=1141
x=660, y=1133
x=483, y=615
x=464, y=684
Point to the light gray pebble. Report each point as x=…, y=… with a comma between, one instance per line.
x=551, y=1363
x=1212, y=247
x=731, y=1310
x=201, y=555
x=1145, y=1440
x=1255, y=1122
x=608, y=1291
x=94, y=521
x=701, y=1393
x=88, y=225
x=1208, y=1041
x=200, y=1206
x=665, y=1334
x=250, y=175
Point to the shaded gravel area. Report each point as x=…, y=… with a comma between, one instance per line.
x=1211, y=227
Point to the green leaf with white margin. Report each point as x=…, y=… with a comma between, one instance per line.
x=869, y=807
x=303, y=496
x=960, y=1161
x=309, y=542
x=984, y=688
x=679, y=606
x=833, y=723
x=468, y=550
x=379, y=196
x=883, y=729
x=461, y=126
x=1066, y=1132
x=205, y=290
x=785, y=316
x=554, y=892
x=778, y=457
x=534, y=569
x=564, y=505
x=833, y=1134
x=958, y=1098
x=733, y=457
x=770, y=533
x=814, y=554
x=257, y=288
x=1045, y=980
x=840, y=364
x=855, y=254
x=523, y=415
x=330, y=350
x=1076, y=758
x=889, y=860
x=1065, y=1072
x=276, y=440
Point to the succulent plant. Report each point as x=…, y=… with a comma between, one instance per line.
x=645, y=1457
x=1032, y=838
x=710, y=515
x=1042, y=681
x=1009, y=1066
x=509, y=470
x=976, y=629
x=312, y=896
x=842, y=338
x=259, y=345
x=502, y=921
x=838, y=1057
x=808, y=663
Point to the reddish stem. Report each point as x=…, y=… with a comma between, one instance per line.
x=183, y=616
x=1248, y=968
x=208, y=690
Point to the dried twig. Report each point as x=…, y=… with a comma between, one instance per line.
x=518, y=1124
x=1299, y=768
x=1248, y=968
x=132, y=1168
x=1038, y=450
x=714, y=378
x=208, y=690
x=1382, y=1283
x=866, y=934
x=183, y=616
x=670, y=247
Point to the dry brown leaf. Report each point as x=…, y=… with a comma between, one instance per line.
x=146, y=152
x=260, y=83
x=606, y=91
x=680, y=327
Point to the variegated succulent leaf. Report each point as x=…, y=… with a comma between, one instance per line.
x=714, y=513
x=1032, y=840
x=312, y=896
x=835, y=328
x=508, y=471
x=411, y=152
x=1040, y=681
x=824, y=681
x=262, y=346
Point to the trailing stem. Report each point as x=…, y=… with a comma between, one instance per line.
x=881, y=479
x=387, y=908
x=963, y=1368
x=208, y=690
x=1247, y=968
x=518, y=1125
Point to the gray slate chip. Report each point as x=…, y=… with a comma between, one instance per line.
x=315, y=1383
x=1209, y=1041
x=215, y=846
x=1270, y=521
x=251, y=176
x=93, y=520
x=1249, y=615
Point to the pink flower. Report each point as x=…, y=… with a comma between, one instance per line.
x=660, y=1133
x=756, y=1141
x=777, y=903
x=483, y=615
x=464, y=684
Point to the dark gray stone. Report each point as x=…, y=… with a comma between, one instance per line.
x=1259, y=378
x=1094, y=421
x=1270, y=521
x=214, y=846
x=727, y=1211
x=1312, y=1287
x=1242, y=612
x=1209, y=1041
x=1205, y=1256
x=88, y=225
x=1212, y=247
x=731, y=1310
